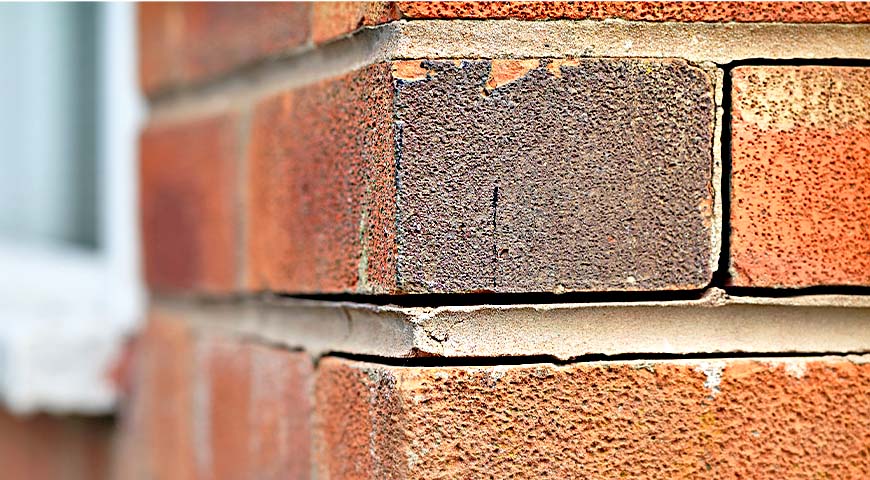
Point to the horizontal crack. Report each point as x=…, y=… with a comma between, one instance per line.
x=434, y=361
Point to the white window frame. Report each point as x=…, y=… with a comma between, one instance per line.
x=65, y=313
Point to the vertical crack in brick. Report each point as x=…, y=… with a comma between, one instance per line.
x=495, y=237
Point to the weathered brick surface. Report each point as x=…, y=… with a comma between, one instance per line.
x=321, y=211
x=330, y=20
x=798, y=12
x=216, y=408
x=55, y=448
x=443, y=176
x=259, y=411
x=188, y=204
x=183, y=43
x=158, y=438
x=187, y=43
x=800, y=186
x=725, y=419
x=279, y=418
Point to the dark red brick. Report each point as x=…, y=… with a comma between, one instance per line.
x=322, y=187
x=183, y=43
x=188, y=203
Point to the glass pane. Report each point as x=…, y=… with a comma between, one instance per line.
x=48, y=164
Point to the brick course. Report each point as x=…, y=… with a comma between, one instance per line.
x=718, y=419
x=183, y=43
x=799, y=12
x=189, y=43
x=211, y=407
x=459, y=176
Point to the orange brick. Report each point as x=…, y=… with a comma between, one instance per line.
x=183, y=43
x=229, y=397
x=798, y=12
x=259, y=410
x=158, y=437
x=330, y=20
x=677, y=419
x=280, y=415
x=188, y=201
x=800, y=185
x=214, y=408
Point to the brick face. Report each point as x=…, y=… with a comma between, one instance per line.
x=443, y=176
x=280, y=413
x=330, y=20
x=212, y=407
x=158, y=437
x=284, y=158
x=799, y=12
x=322, y=187
x=183, y=43
x=228, y=368
x=800, y=186
x=188, y=43
x=724, y=419
x=188, y=204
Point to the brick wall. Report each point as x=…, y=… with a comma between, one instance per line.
x=455, y=240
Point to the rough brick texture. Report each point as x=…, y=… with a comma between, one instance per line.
x=55, y=448
x=188, y=204
x=798, y=12
x=187, y=43
x=800, y=186
x=457, y=176
x=330, y=20
x=191, y=42
x=322, y=187
x=157, y=440
x=725, y=419
x=207, y=407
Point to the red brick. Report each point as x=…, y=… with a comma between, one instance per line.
x=330, y=20
x=800, y=184
x=229, y=397
x=280, y=415
x=183, y=43
x=44, y=447
x=212, y=407
x=450, y=176
x=158, y=437
x=798, y=12
x=259, y=410
x=322, y=187
x=188, y=201
x=668, y=419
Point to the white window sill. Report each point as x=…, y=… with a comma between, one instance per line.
x=63, y=322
